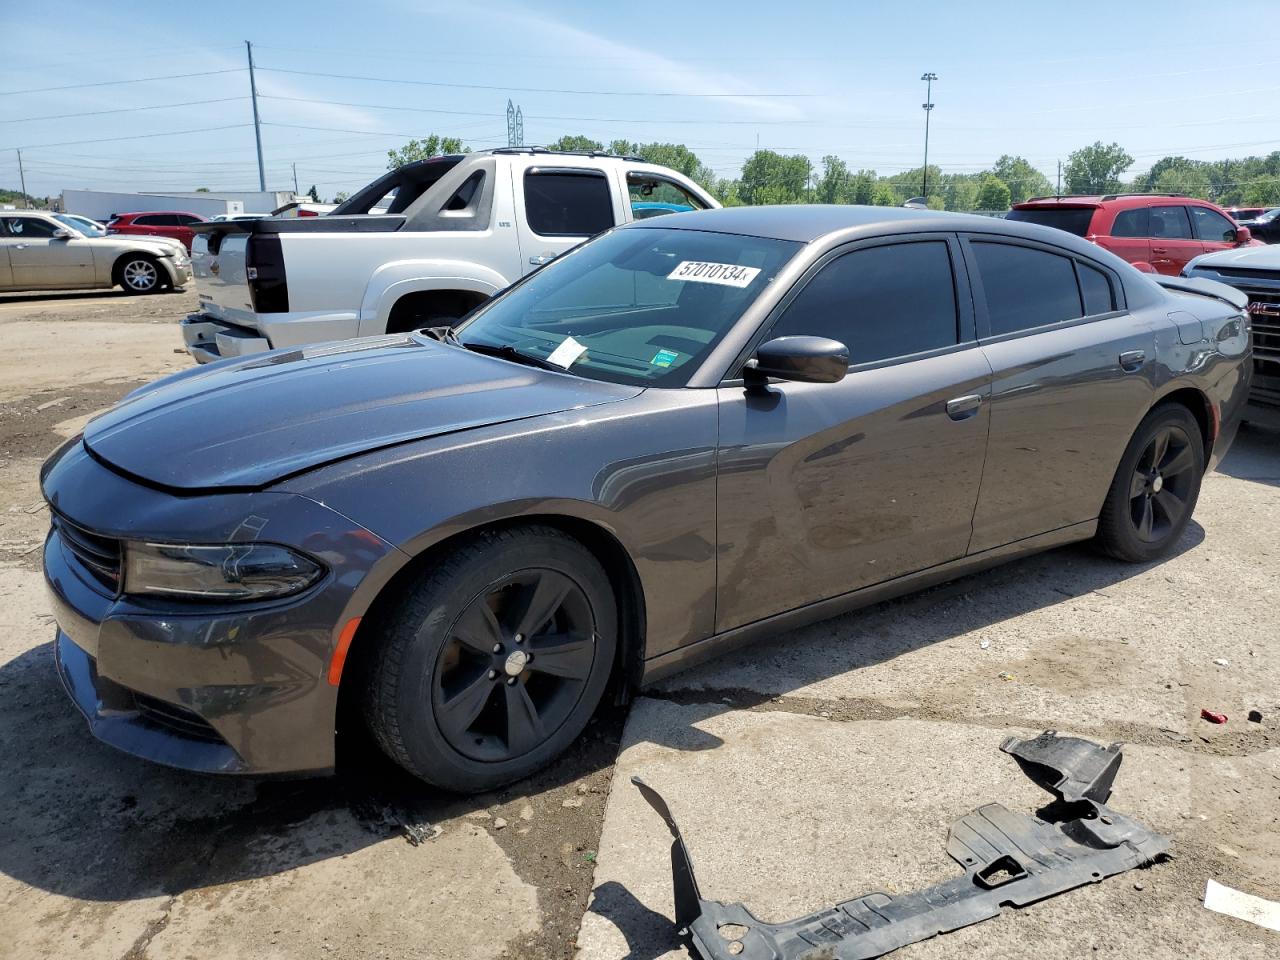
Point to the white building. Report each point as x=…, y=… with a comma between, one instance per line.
x=102, y=204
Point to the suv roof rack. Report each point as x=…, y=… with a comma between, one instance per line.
x=1117, y=196
x=568, y=153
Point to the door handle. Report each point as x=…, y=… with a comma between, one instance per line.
x=19, y=246
x=539, y=261
x=1132, y=360
x=1159, y=249
x=962, y=408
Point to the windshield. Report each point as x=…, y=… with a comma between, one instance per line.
x=1269, y=215
x=77, y=223
x=638, y=306
x=1071, y=219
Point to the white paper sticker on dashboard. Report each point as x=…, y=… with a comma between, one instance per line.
x=565, y=354
x=702, y=271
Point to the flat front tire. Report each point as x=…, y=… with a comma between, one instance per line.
x=494, y=659
x=1156, y=487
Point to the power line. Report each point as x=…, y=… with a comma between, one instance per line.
x=137, y=136
x=96, y=113
x=113, y=83
x=589, y=93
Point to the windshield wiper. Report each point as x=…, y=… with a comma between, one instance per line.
x=507, y=352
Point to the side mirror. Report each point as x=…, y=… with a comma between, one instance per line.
x=62, y=233
x=1243, y=235
x=802, y=359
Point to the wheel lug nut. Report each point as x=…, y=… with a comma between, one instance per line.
x=511, y=681
x=493, y=674
x=519, y=638
x=497, y=648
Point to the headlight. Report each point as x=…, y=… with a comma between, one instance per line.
x=233, y=571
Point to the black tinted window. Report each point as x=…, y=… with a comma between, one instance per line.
x=30, y=227
x=1071, y=219
x=1212, y=226
x=1095, y=289
x=1131, y=223
x=186, y=219
x=1026, y=288
x=157, y=220
x=882, y=302
x=1170, y=223
x=560, y=204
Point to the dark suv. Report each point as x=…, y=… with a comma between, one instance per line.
x=1163, y=230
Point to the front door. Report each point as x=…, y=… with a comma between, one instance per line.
x=559, y=207
x=39, y=260
x=826, y=488
x=1071, y=379
x=1212, y=229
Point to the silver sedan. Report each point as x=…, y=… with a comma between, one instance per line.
x=37, y=252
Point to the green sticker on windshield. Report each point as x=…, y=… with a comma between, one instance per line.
x=664, y=358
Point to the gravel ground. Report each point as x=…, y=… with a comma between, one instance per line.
x=784, y=761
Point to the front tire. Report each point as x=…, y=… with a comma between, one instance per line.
x=140, y=274
x=495, y=659
x=1155, y=488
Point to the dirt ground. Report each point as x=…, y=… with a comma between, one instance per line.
x=786, y=761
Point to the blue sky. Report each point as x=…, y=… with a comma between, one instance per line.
x=1030, y=78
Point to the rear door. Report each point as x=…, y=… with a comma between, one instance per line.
x=1173, y=243
x=1212, y=229
x=558, y=207
x=826, y=488
x=6, y=275
x=1072, y=374
x=184, y=223
x=38, y=259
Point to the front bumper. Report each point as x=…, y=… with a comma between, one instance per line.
x=225, y=688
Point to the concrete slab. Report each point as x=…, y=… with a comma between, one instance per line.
x=790, y=812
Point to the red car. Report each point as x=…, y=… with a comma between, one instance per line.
x=174, y=224
x=1159, y=231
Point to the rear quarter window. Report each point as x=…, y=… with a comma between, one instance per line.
x=1131, y=223
x=1075, y=220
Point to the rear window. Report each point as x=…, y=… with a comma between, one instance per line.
x=1026, y=288
x=1071, y=219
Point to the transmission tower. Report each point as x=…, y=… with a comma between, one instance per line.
x=515, y=125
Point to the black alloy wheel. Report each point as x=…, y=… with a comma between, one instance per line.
x=515, y=664
x=1155, y=488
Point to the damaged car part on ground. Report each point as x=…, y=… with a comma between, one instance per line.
x=1008, y=859
x=463, y=541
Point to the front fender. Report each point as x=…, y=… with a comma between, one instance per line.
x=391, y=281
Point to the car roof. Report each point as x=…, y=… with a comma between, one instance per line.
x=809, y=222
x=1120, y=201
x=147, y=213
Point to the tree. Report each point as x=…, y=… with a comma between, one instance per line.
x=575, y=143
x=1022, y=179
x=961, y=192
x=884, y=195
x=769, y=177
x=314, y=194
x=433, y=146
x=993, y=194
x=1096, y=168
x=1190, y=179
x=202, y=189
x=835, y=184
x=340, y=196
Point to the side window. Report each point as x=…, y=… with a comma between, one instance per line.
x=30, y=227
x=652, y=196
x=186, y=219
x=1095, y=290
x=150, y=220
x=1131, y=223
x=1212, y=226
x=564, y=203
x=1026, y=288
x=880, y=302
x=1170, y=223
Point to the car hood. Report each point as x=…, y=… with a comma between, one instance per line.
x=121, y=241
x=1245, y=258
x=247, y=423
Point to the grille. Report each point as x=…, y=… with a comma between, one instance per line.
x=99, y=555
x=174, y=719
x=1264, y=312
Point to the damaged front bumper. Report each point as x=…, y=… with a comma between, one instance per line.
x=1007, y=858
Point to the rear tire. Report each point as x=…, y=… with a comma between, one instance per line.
x=1155, y=488
x=494, y=660
x=140, y=274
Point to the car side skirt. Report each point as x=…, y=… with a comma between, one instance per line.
x=664, y=665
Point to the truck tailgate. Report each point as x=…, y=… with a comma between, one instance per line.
x=221, y=284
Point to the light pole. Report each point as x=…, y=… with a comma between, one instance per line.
x=928, y=78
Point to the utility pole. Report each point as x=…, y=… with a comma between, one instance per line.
x=257, y=124
x=22, y=177
x=928, y=78
x=295, y=179
x=1059, y=191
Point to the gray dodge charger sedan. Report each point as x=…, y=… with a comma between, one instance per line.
x=690, y=432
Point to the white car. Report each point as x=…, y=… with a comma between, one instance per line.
x=39, y=252
x=420, y=246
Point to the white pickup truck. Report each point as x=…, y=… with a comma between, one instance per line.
x=455, y=231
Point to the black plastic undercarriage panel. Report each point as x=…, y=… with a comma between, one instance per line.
x=1008, y=859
